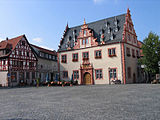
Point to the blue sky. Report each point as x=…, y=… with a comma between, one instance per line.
x=43, y=21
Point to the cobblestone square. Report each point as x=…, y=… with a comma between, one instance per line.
x=96, y=102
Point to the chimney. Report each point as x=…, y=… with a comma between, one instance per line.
x=7, y=38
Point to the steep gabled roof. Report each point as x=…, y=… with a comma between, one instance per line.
x=14, y=41
x=10, y=44
x=97, y=27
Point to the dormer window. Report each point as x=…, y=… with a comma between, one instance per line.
x=85, y=41
x=109, y=30
x=74, y=32
x=102, y=31
x=75, y=37
x=112, y=36
x=84, y=32
x=107, y=24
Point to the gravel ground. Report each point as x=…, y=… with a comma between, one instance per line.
x=97, y=102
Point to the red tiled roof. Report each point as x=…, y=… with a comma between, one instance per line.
x=10, y=43
x=3, y=44
x=140, y=45
x=14, y=41
x=45, y=50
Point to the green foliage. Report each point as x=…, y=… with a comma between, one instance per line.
x=151, y=52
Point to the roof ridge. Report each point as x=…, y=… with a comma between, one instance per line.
x=42, y=48
x=97, y=21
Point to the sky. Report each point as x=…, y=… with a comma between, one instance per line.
x=43, y=21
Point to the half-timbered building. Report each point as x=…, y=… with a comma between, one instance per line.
x=100, y=52
x=17, y=62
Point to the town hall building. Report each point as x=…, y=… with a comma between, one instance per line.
x=100, y=52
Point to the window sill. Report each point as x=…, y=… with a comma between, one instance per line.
x=98, y=57
x=85, y=58
x=63, y=62
x=112, y=55
x=74, y=60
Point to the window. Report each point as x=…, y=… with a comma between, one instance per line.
x=85, y=56
x=112, y=52
x=134, y=39
x=53, y=57
x=133, y=53
x=33, y=75
x=129, y=72
x=128, y=52
x=99, y=74
x=27, y=75
x=64, y=59
x=41, y=54
x=137, y=52
x=23, y=43
x=98, y=54
x=65, y=74
x=85, y=41
x=20, y=53
x=27, y=54
x=31, y=64
x=109, y=30
x=46, y=55
x=84, y=33
x=129, y=37
x=4, y=62
x=21, y=63
x=75, y=57
x=76, y=75
x=49, y=56
x=113, y=73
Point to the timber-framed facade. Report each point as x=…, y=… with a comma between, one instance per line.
x=17, y=62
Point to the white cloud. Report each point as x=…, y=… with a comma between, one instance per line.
x=38, y=40
x=98, y=1
x=46, y=47
x=102, y=1
x=1, y=39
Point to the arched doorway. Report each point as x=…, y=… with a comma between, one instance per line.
x=87, y=79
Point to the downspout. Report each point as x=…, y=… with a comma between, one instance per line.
x=123, y=63
x=58, y=62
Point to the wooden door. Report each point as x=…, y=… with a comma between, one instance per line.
x=87, y=79
x=134, y=78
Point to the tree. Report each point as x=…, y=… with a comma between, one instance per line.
x=151, y=52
